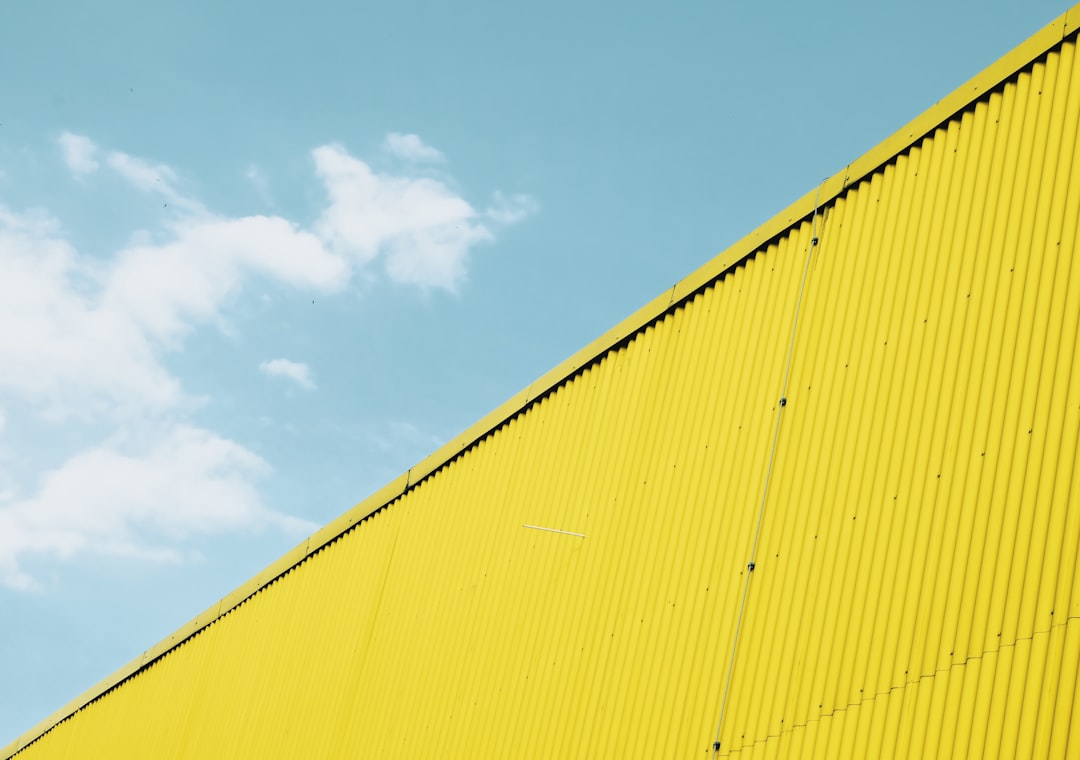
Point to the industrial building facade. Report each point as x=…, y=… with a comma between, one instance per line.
x=819, y=500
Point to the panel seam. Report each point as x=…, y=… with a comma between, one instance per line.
x=902, y=686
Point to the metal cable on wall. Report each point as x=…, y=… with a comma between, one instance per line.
x=751, y=564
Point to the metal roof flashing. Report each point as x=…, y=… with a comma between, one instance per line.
x=1024, y=55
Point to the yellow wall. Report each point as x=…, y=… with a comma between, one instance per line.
x=915, y=583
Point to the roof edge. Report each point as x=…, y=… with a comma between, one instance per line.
x=1027, y=52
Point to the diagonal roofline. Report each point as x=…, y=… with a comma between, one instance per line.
x=1029, y=51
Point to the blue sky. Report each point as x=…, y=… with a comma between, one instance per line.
x=257, y=259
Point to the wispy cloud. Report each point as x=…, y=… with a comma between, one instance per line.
x=79, y=153
x=511, y=209
x=298, y=372
x=410, y=148
x=142, y=174
x=258, y=180
x=155, y=179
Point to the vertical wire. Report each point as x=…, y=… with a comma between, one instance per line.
x=769, y=469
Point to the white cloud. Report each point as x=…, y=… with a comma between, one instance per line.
x=170, y=287
x=142, y=174
x=262, y=186
x=424, y=229
x=108, y=501
x=410, y=148
x=79, y=153
x=511, y=209
x=85, y=340
x=399, y=433
x=157, y=179
x=61, y=351
x=298, y=372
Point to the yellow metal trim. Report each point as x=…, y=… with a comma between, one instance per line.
x=1048, y=38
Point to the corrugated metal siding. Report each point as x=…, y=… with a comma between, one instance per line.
x=918, y=557
x=913, y=594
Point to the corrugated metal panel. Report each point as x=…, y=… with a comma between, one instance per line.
x=922, y=518
x=913, y=589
